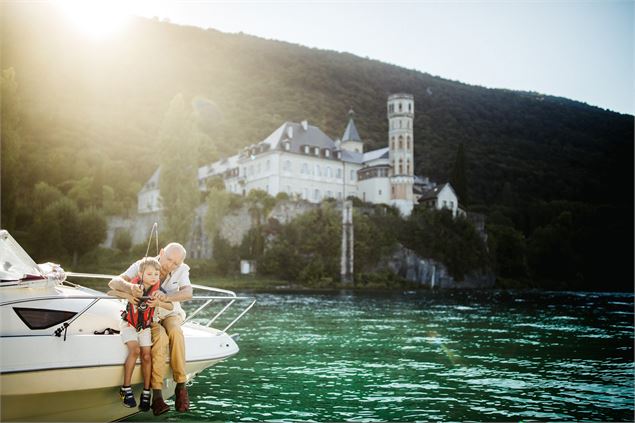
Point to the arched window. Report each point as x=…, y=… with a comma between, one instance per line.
x=399, y=123
x=400, y=142
x=329, y=173
x=410, y=107
x=400, y=167
x=399, y=107
x=407, y=143
x=407, y=167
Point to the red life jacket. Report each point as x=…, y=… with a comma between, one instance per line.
x=137, y=316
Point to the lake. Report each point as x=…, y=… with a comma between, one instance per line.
x=449, y=355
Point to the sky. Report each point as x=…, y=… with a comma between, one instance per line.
x=582, y=50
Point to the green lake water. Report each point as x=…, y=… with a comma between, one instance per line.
x=480, y=356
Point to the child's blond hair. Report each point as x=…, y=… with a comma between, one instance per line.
x=149, y=261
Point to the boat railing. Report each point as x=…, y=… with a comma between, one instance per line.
x=229, y=296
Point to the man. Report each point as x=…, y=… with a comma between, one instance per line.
x=175, y=288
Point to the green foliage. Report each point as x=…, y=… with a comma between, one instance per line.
x=11, y=150
x=218, y=205
x=282, y=196
x=508, y=248
x=92, y=227
x=452, y=241
x=226, y=257
x=81, y=191
x=253, y=244
x=123, y=241
x=45, y=195
x=307, y=249
x=260, y=203
x=458, y=179
x=179, y=138
x=374, y=238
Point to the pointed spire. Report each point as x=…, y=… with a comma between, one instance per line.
x=350, y=133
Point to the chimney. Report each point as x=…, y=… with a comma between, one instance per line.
x=305, y=125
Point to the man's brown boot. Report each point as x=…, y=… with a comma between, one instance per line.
x=159, y=406
x=181, y=399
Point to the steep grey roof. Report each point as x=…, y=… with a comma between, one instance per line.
x=218, y=167
x=434, y=192
x=153, y=182
x=298, y=136
x=350, y=133
x=382, y=153
x=352, y=156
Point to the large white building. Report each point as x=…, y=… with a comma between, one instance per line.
x=302, y=161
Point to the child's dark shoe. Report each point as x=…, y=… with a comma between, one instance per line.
x=127, y=396
x=144, y=401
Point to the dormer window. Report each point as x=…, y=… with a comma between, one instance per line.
x=316, y=151
x=306, y=149
x=327, y=153
x=287, y=146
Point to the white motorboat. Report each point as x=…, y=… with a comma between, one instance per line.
x=59, y=361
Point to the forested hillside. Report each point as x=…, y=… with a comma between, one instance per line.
x=89, y=109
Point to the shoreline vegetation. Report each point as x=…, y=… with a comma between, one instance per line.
x=255, y=283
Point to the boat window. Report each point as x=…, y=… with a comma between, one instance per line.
x=40, y=318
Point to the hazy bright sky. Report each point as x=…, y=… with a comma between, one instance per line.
x=582, y=50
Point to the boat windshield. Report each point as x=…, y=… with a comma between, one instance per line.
x=15, y=263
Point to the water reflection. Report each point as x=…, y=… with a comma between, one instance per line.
x=434, y=356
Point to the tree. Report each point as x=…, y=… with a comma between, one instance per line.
x=509, y=250
x=452, y=241
x=459, y=177
x=81, y=192
x=92, y=228
x=10, y=152
x=45, y=195
x=123, y=241
x=56, y=231
x=218, y=205
x=179, y=140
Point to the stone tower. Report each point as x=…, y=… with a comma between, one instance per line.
x=401, y=111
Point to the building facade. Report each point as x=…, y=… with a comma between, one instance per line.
x=301, y=160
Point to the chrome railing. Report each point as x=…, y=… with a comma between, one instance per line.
x=230, y=296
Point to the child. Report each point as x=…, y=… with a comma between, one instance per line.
x=135, y=327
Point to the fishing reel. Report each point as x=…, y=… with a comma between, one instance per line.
x=143, y=303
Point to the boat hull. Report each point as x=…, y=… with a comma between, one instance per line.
x=46, y=378
x=94, y=395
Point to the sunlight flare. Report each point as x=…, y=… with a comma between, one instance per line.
x=96, y=18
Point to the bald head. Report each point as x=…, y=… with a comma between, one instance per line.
x=174, y=247
x=171, y=257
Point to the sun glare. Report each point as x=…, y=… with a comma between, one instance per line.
x=95, y=18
